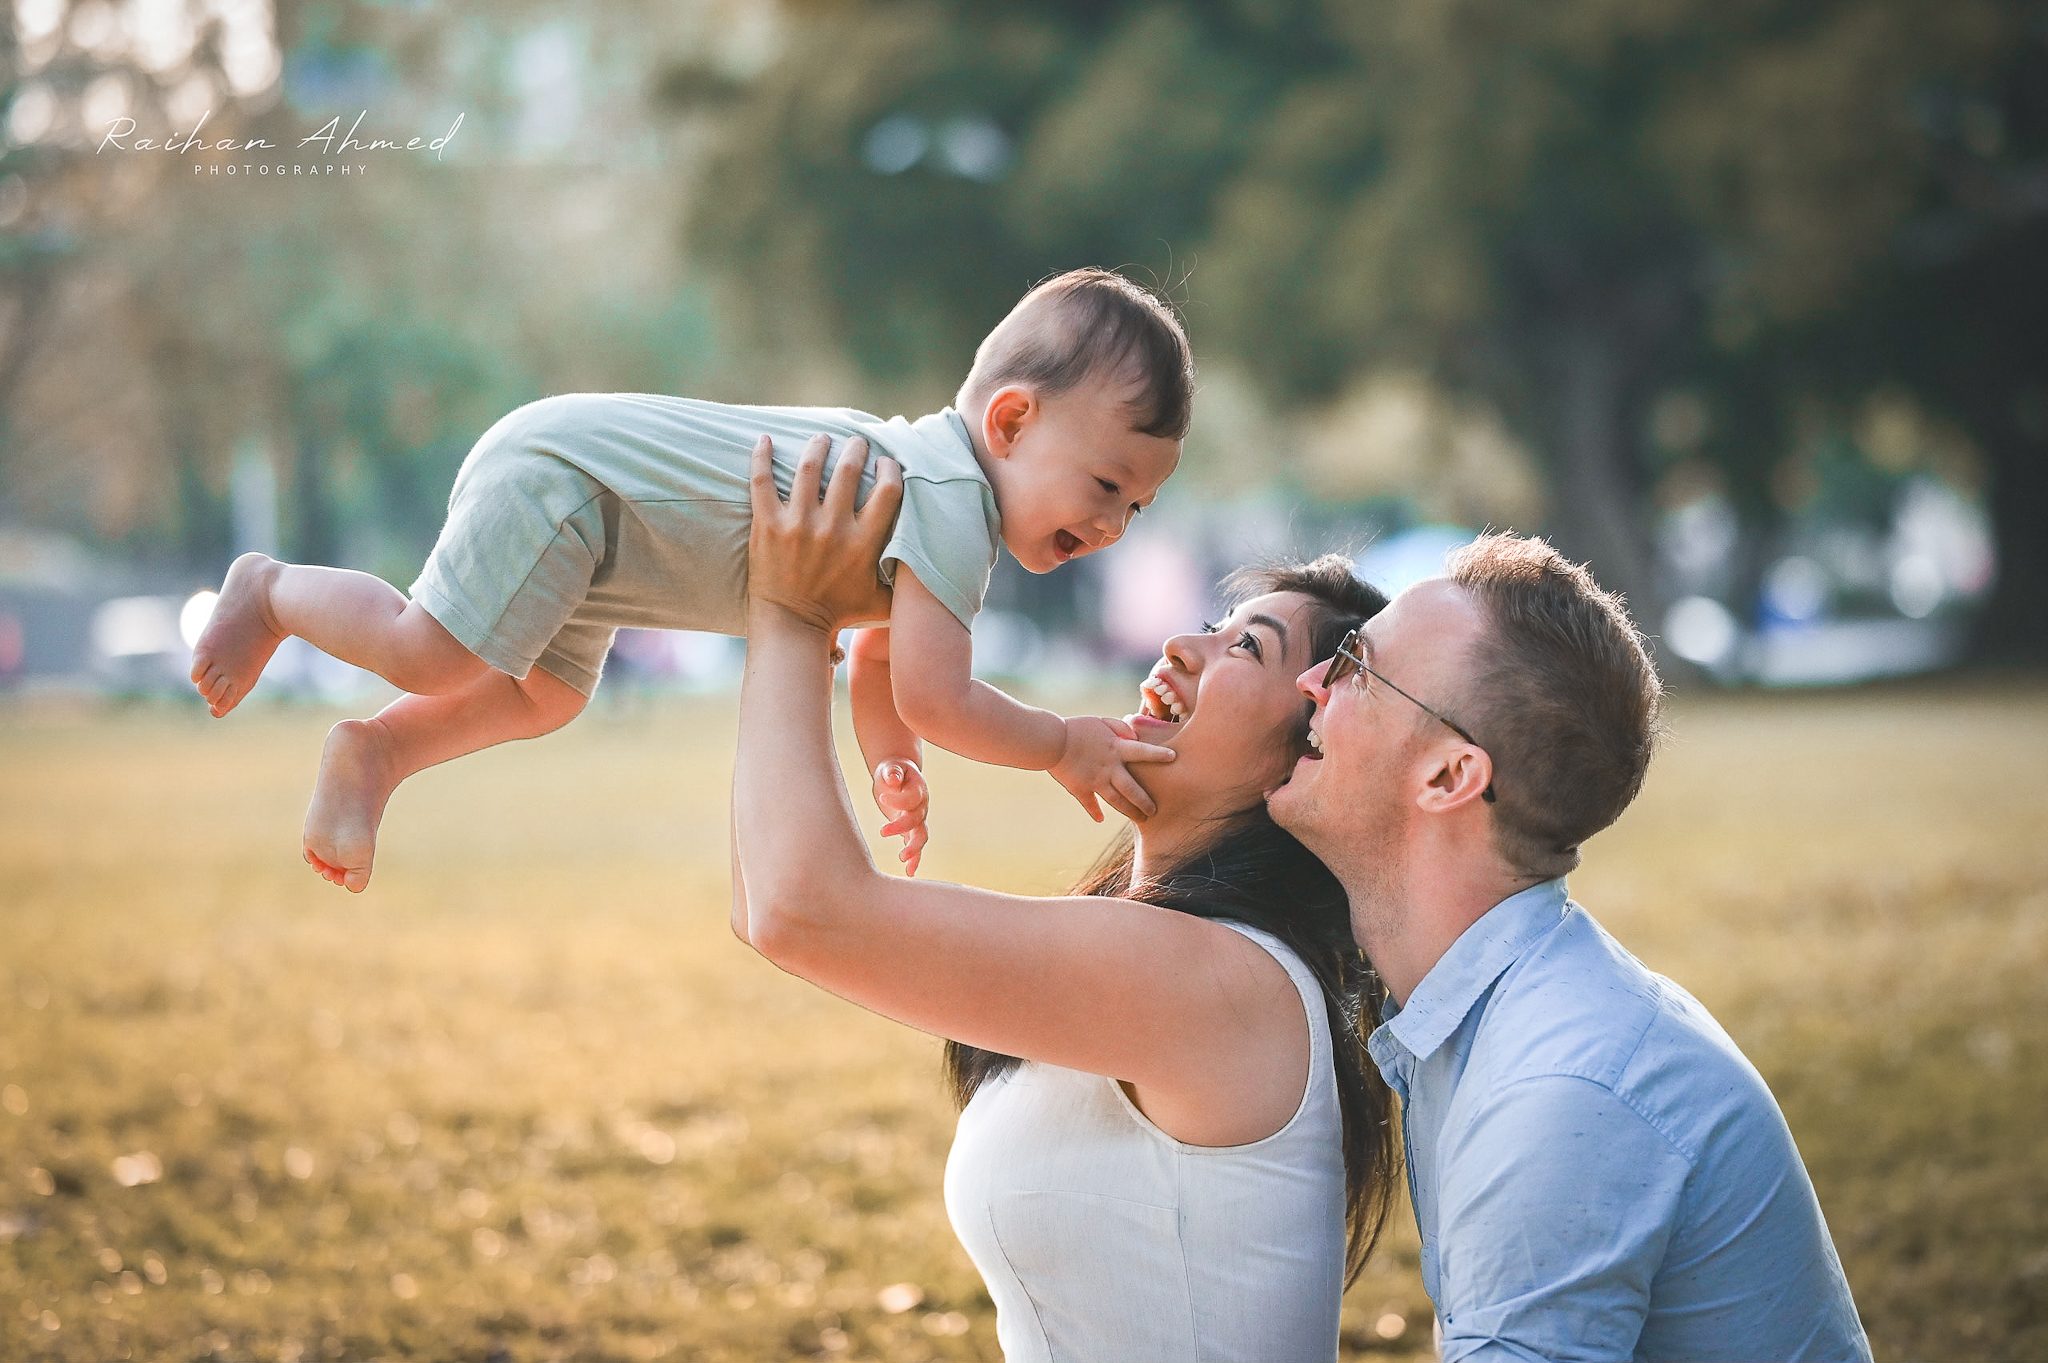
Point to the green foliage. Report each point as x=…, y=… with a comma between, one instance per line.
x=1568, y=208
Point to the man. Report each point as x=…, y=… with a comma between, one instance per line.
x=1596, y=1170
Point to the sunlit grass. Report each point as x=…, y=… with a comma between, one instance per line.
x=528, y=1098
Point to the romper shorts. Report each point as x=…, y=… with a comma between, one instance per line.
x=527, y=534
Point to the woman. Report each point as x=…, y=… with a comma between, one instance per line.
x=1193, y=1149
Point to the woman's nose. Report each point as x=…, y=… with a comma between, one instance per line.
x=1184, y=651
x=1311, y=683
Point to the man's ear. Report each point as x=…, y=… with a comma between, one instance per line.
x=1008, y=412
x=1462, y=776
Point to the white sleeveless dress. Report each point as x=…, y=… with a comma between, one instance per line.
x=1104, y=1240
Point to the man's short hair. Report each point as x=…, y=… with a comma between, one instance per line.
x=1564, y=698
x=1086, y=324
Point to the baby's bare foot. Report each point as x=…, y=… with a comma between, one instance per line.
x=348, y=803
x=240, y=637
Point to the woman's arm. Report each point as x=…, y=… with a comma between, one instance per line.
x=1166, y=1001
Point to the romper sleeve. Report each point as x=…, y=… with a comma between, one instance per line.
x=945, y=534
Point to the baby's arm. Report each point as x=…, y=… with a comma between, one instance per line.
x=891, y=750
x=937, y=696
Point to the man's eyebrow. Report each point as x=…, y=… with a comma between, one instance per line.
x=1278, y=626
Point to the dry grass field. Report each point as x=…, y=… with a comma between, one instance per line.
x=527, y=1098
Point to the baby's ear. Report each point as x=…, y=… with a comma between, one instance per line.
x=1009, y=411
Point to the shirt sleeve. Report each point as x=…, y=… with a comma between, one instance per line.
x=942, y=535
x=1557, y=1204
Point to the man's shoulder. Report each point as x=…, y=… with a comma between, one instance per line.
x=1577, y=1005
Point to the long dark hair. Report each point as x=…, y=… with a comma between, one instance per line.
x=1254, y=872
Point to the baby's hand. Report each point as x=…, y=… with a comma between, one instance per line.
x=900, y=792
x=1093, y=763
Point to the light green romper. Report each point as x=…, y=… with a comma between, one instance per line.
x=578, y=514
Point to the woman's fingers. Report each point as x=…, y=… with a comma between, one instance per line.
x=813, y=555
x=878, y=515
x=761, y=480
x=810, y=470
x=846, y=472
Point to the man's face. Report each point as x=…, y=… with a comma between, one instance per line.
x=1379, y=750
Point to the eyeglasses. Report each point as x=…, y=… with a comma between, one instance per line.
x=1348, y=660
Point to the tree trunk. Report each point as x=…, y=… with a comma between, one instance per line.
x=1597, y=516
x=315, y=537
x=2014, y=625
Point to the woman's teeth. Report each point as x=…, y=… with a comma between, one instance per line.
x=1160, y=701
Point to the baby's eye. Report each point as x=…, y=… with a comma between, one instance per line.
x=1250, y=643
x=1111, y=488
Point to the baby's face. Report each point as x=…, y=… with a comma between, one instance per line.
x=1074, y=475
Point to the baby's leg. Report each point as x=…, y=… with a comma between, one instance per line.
x=356, y=617
x=365, y=759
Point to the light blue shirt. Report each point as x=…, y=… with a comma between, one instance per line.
x=1596, y=1170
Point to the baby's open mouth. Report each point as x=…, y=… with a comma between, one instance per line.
x=1067, y=543
x=1157, y=699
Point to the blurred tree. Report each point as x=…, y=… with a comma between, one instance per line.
x=1948, y=297
x=1570, y=207
x=356, y=335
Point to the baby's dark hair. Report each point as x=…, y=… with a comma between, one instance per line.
x=1088, y=323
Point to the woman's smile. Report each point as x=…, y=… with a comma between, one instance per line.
x=1159, y=698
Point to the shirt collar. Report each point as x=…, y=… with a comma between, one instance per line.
x=1479, y=957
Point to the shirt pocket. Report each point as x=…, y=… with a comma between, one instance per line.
x=1106, y=1275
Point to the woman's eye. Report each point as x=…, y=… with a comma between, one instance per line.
x=1250, y=642
x=1208, y=628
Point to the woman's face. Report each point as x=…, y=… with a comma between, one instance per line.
x=1226, y=703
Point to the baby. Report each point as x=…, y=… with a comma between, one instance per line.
x=579, y=514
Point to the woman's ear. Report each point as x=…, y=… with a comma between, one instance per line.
x=1005, y=418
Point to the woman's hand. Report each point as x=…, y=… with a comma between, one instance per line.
x=817, y=559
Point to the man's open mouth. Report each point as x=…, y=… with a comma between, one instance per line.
x=1157, y=700
x=1312, y=740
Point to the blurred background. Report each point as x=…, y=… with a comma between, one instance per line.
x=1745, y=304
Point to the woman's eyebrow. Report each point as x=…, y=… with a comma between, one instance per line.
x=1278, y=627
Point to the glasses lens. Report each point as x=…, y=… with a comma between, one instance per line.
x=1344, y=664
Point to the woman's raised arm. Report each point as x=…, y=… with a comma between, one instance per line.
x=1167, y=1001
